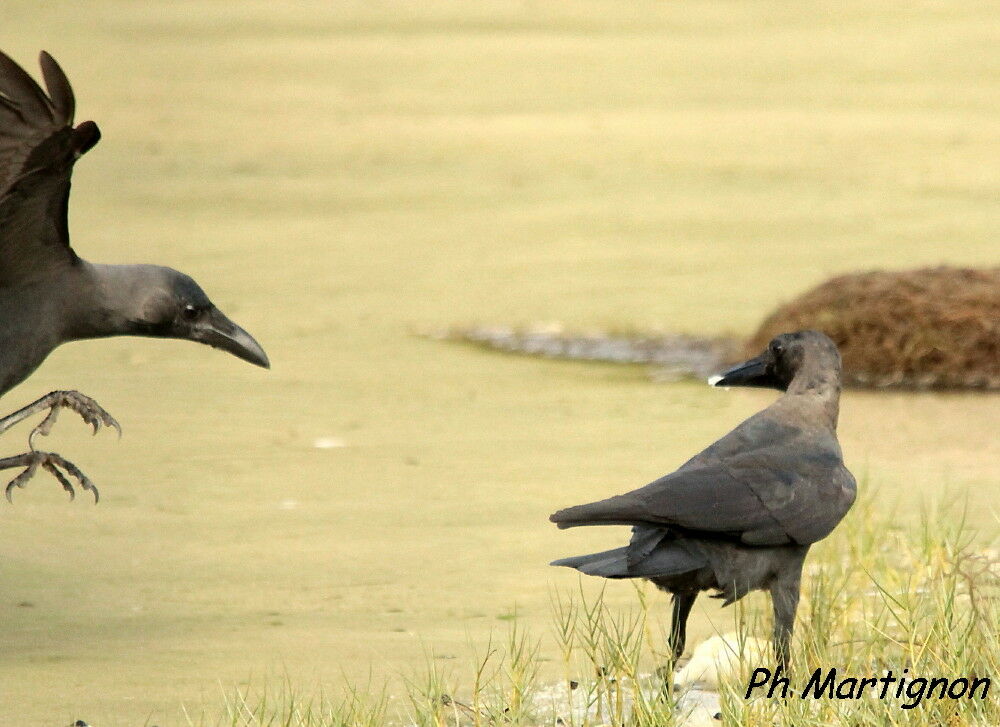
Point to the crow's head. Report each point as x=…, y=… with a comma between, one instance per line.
x=784, y=358
x=164, y=303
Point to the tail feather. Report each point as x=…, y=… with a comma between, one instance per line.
x=609, y=564
x=668, y=559
x=618, y=510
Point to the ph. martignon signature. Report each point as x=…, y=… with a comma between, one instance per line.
x=827, y=684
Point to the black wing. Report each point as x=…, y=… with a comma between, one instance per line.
x=794, y=488
x=38, y=147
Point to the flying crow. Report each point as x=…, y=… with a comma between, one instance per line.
x=49, y=295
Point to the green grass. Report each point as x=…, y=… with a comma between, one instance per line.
x=338, y=175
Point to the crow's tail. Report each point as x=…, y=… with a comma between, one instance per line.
x=618, y=510
x=670, y=557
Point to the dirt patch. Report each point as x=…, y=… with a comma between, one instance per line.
x=934, y=328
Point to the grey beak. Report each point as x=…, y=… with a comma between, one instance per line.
x=217, y=331
x=751, y=373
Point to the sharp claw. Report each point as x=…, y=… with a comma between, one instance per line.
x=91, y=487
x=21, y=479
x=93, y=413
x=66, y=484
x=75, y=471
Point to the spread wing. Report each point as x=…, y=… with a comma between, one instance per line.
x=764, y=483
x=38, y=147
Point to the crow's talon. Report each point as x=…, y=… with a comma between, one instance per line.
x=52, y=463
x=89, y=410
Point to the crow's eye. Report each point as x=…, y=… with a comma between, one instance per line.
x=777, y=349
x=190, y=312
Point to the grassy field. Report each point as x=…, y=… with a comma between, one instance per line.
x=338, y=175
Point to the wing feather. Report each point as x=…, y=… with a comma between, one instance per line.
x=17, y=85
x=38, y=147
x=58, y=86
x=765, y=483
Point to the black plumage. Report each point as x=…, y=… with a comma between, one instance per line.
x=741, y=514
x=48, y=294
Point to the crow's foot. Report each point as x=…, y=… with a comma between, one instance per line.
x=54, y=464
x=89, y=410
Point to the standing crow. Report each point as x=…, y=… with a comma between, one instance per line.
x=50, y=296
x=742, y=514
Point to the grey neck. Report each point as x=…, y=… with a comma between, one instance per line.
x=109, y=300
x=820, y=381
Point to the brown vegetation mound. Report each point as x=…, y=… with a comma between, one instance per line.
x=935, y=328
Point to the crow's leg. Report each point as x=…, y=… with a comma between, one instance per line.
x=785, y=600
x=683, y=602
x=91, y=412
x=51, y=463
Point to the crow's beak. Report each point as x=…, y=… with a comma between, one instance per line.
x=217, y=331
x=755, y=372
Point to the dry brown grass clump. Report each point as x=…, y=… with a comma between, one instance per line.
x=934, y=328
